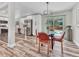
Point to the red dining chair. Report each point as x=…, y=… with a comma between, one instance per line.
x=59, y=40
x=44, y=39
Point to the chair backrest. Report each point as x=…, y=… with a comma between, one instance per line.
x=43, y=37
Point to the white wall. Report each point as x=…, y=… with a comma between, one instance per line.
x=37, y=19
x=68, y=16
x=75, y=25
x=44, y=25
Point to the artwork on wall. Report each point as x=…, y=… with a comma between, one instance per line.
x=50, y=25
x=56, y=22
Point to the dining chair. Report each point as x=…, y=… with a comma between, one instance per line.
x=44, y=39
x=60, y=39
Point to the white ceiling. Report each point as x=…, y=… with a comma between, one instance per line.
x=40, y=7
x=27, y=8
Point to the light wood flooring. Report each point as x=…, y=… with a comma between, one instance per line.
x=29, y=48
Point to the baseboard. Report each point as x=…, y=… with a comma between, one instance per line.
x=76, y=43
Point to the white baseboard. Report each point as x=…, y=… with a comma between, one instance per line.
x=76, y=43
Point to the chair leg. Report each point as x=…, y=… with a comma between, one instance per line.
x=48, y=50
x=50, y=46
x=53, y=44
x=62, y=48
x=39, y=48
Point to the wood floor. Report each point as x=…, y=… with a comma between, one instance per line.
x=28, y=48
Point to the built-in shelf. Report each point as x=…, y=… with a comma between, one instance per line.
x=3, y=24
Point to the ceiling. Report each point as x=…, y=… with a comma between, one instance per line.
x=40, y=7
x=27, y=8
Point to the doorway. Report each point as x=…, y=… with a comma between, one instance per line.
x=29, y=26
